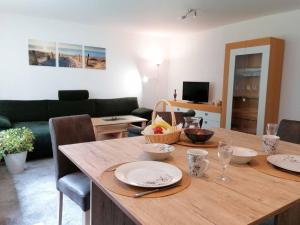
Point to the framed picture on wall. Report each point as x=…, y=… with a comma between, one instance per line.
x=94, y=57
x=41, y=53
x=69, y=55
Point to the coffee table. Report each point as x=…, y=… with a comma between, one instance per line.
x=115, y=127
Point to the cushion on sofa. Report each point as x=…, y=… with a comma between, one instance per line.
x=115, y=107
x=143, y=113
x=42, y=142
x=70, y=108
x=18, y=111
x=4, y=122
x=73, y=95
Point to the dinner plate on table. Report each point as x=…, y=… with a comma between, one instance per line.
x=148, y=174
x=285, y=161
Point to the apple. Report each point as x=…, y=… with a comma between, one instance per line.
x=158, y=130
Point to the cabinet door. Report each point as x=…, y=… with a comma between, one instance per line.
x=176, y=109
x=247, y=88
x=208, y=115
x=207, y=124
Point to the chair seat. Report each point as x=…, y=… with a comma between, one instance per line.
x=77, y=187
x=134, y=131
x=270, y=221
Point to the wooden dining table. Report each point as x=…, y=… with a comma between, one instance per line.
x=249, y=198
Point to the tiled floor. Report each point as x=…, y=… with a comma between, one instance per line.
x=30, y=198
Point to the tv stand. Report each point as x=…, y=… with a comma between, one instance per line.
x=211, y=114
x=196, y=106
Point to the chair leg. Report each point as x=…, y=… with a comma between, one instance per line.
x=60, y=208
x=86, y=217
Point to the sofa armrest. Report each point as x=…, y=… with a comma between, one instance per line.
x=4, y=123
x=143, y=113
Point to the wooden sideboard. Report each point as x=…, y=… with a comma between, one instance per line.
x=211, y=114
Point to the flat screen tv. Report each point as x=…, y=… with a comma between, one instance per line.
x=195, y=91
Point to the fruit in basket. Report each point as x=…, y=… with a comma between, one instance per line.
x=160, y=126
x=161, y=123
x=158, y=130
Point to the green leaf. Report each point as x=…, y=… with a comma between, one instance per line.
x=15, y=140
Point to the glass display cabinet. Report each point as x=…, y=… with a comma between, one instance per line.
x=252, y=81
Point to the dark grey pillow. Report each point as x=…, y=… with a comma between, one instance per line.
x=5, y=122
x=73, y=95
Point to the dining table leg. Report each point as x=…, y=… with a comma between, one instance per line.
x=290, y=216
x=105, y=212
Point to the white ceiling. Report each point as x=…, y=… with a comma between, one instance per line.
x=150, y=15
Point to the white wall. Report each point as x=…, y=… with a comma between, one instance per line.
x=200, y=57
x=126, y=56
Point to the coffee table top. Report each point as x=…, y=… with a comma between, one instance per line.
x=109, y=120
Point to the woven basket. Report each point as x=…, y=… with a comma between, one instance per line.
x=169, y=138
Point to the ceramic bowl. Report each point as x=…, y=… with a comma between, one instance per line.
x=198, y=134
x=242, y=155
x=158, y=151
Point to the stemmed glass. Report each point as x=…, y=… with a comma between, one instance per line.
x=224, y=154
x=272, y=128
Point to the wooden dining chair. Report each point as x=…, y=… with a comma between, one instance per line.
x=69, y=180
x=289, y=130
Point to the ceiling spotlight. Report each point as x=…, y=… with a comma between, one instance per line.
x=190, y=12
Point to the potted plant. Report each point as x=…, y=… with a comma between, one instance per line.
x=14, y=145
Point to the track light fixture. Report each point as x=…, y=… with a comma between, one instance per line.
x=190, y=12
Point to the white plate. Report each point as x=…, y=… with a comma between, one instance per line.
x=158, y=151
x=149, y=174
x=242, y=155
x=284, y=161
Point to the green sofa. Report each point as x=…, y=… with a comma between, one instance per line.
x=35, y=114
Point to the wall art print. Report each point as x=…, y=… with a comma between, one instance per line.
x=45, y=53
x=41, y=53
x=69, y=55
x=94, y=57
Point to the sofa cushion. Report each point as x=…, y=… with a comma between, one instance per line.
x=73, y=95
x=42, y=142
x=143, y=113
x=5, y=122
x=115, y=107
x=70, y=108
x=18, y=111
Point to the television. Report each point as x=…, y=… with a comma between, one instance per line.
x=195, y=91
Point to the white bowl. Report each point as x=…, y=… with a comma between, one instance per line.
x=242, y=155
x=158, y=151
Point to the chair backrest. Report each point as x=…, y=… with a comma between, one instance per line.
x=178, y=115
x=289, y=130
x=68, y=130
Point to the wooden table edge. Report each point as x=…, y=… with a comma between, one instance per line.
x=105, y=191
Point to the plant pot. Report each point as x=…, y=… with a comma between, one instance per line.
x=15, y=162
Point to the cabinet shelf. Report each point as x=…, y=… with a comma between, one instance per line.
x=246, y=97
x=248, y=72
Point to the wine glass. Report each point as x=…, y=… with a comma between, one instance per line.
x=224, y=154
x=272, y=128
